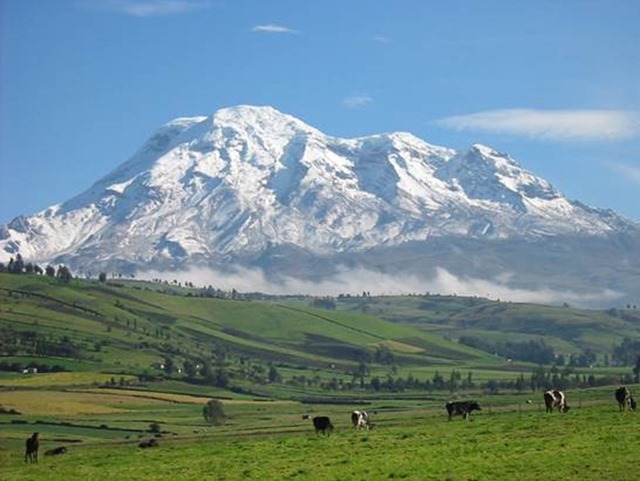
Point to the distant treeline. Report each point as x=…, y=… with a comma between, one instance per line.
x=538, y=351
x=532, y=351
x=32, y=343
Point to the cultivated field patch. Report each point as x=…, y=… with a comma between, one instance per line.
x=61, y=379
x=69, y=403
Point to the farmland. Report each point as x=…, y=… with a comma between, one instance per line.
x=591, y=442
x=99, y=367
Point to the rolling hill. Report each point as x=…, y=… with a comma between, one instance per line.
x=132, y=328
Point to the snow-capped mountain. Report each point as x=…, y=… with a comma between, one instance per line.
x=247, y=180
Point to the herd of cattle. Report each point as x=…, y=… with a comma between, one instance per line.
x=553, y=399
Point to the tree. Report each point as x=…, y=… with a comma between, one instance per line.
x=64, y=274
x=18, y=265
x=274, y=375
x=213, y=412
x=221, y=377
x=155, y=428
x=190, y=369
x=102, y=277
x=50, y=271
x=168, y=365
x=218, y=377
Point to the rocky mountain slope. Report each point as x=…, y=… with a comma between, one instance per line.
x=252, y=186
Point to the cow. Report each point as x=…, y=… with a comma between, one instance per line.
x=625, y=399
x=322, y=424
x=31, y=452
x=55, y=451
x=462, y=408
x=360, y=420
x=150, y=443
x=555, y=398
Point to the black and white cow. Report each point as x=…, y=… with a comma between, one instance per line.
x=322, y=424
x=625, y=399
x=462, y=408
x=555, y=398
x=360, y=420
x=56, y=451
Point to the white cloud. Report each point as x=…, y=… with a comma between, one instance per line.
x=272, y=28
x=147, y=8
x=550, y=124
x=355, y=281
x=357, y=101
x=630, y=172
x=381, y=39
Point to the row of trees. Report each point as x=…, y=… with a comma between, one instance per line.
x=539, y=352
x=532, y=351
x=19, y=266
x=35, y=343
x=540, y=379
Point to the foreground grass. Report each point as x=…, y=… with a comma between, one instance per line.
x=593, y=443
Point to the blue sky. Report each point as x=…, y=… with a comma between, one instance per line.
x=556, y=84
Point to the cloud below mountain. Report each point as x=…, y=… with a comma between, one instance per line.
x=356, y=281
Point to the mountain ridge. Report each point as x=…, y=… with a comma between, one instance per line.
x=234, y=184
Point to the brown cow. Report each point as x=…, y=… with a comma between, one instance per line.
x=31, y=452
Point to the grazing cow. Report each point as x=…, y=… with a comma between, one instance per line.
x=625, y=399
x=555, y=399
x=55, y=451
x=360, y=420
x=150, y=443
x=322, y=424
x=306, y=416
x=31, y=451
x=462, y=408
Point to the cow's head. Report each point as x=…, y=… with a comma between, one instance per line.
x=565, y=408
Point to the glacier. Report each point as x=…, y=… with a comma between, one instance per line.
x=246, y=181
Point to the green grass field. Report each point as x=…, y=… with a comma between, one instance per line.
x=591, y=442
x=113, y=394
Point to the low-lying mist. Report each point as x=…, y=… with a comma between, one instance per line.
x=356, y=281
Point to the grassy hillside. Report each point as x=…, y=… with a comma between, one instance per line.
x=131, y=328
x=568, y=330
x=128, y=329
x=118, y=363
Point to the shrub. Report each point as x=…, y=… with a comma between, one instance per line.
x=213, y=413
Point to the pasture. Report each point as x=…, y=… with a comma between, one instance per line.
x=593, y=441
x=102, y=386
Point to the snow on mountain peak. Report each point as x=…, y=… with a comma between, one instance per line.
x=245, y=178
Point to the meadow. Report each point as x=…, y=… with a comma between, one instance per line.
x=103, y=385
x=593, y=441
